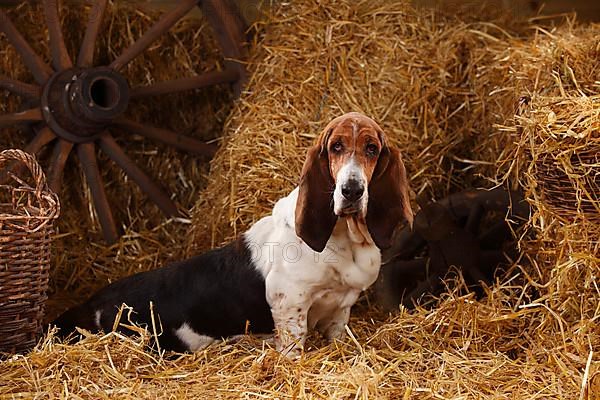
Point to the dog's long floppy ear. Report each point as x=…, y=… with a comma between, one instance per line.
x=389, y=201
x=314, y=217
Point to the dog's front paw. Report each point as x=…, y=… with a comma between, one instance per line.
x=336, y=331
x=292, y=353
x=290, y=347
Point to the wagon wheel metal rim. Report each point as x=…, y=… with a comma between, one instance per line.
x=76, y=104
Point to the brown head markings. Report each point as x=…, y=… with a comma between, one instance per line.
x=352, y=135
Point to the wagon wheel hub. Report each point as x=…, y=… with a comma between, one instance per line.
x=79, y=103
x=76, y=104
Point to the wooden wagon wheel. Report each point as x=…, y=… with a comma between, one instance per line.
x=77, y=102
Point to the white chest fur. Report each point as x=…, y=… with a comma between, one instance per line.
x=306, y=288
x=355, y=263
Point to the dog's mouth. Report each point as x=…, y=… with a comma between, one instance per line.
x=350, y=209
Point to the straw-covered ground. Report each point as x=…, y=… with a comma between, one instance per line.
x=469, y=104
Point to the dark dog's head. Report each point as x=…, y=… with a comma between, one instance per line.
x=352, y=170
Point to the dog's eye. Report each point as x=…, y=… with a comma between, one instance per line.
x=372, y=149
x=337, y=147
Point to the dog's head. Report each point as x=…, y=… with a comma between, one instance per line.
x=352, y=171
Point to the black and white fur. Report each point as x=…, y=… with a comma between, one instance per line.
x=214, y=295
x=302, y=267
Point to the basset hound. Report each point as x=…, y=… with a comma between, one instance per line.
x=302, y=267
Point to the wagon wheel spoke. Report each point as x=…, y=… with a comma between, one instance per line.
x=229, y=29
x=228, y=25
x=31, y=92
x=86, y=51
x=58, y=50
x=179, y=85
x=181, y=142
x=109, y=145
x=60, y=154
x=87, y=157
x=40, y=70
x=42, y=138
x=86, y=107
x=165, y=22
x=31, y=115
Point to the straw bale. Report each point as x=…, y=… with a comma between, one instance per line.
x=553, y=154
x=554, y=157
x=558, y=156
x=412, y=71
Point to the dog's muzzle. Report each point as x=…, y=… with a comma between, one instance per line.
x=352, y=195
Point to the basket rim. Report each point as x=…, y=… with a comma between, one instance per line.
x=32, y=215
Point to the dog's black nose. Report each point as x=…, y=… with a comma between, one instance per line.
x=352, y=190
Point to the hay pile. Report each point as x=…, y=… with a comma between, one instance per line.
x=447, y=93
x=556, y=160
x=461, y=349
x=453, y=96
x=82, y=261
x=559, y=153
x=412, y=71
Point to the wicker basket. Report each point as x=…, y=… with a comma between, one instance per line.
x=27, y=213
x=574, y=192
